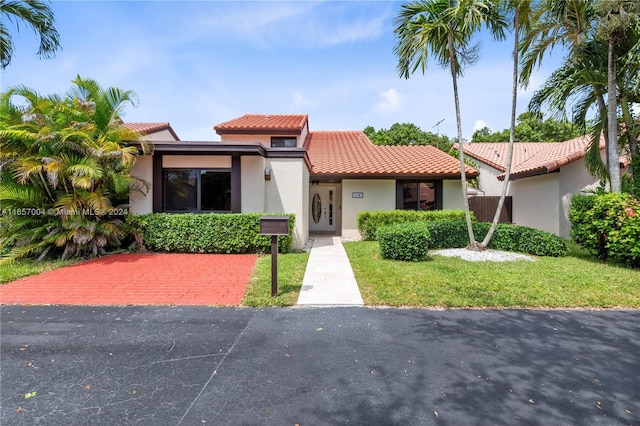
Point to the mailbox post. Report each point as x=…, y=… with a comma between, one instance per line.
x=274, y=226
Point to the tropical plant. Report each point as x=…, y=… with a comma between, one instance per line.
x=594, y=67
x=35, y=14
x=444, y=29
x=64, y=170
x=532, y=126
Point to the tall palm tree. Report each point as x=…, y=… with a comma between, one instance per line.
x=35, y=14
x=521, y=11
x=617, y=18
x=444, y=29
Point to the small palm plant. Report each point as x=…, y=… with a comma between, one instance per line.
x=64, y=170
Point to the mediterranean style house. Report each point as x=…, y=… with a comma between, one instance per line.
x=276, y=164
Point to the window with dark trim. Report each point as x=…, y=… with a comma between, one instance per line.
x=283, y=142
x=419, y=195
x=197, y=190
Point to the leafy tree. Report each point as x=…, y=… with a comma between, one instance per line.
x=531, y=127
x=35, y=14
x=443, y=29
x=407, y=134
x=65, y=165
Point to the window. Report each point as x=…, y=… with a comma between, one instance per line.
x=282, y=142
x=419, y=195
x=196, y=190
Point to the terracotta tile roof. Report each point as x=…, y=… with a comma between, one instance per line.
x=530, y=158
x=352, y=153
x=264, y=123
x=147, y=128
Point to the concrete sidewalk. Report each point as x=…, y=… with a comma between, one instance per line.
x=328, y=279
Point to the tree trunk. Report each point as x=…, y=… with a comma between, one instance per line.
x=613, y=157
x=512, y=131
x=473, y=244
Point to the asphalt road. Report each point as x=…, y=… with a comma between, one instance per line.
x=63, y=365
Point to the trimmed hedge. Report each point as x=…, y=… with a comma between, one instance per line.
x=369, y=222
x=608, y=225
x=404, y=241
x=206, y=233
x=508, y=237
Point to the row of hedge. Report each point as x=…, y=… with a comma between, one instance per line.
x=369, y=222
x=206, y=233
x=608, y=225
x=411, y=240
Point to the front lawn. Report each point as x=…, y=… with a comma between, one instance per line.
x=574, y=281
x=291, y=267
x=25, y=267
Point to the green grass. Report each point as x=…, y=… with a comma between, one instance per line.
x=291, y=267
x=25, y=267
x=574, y=281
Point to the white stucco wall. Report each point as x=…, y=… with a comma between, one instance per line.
x=252, y=184
x=288, y=192
x=142, y=203
x=379, y=194
x=452, y=195
x=535, y=202
x=265, y=140
x=488, y=180
x=574, y=178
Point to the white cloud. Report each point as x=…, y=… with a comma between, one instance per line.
x=300, y=102
x=389, y=101
x=479, y=124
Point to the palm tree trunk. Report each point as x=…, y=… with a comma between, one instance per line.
x=473, y=244
x=613, y=158
x=512, y=131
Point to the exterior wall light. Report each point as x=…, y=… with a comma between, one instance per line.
x=267, y=173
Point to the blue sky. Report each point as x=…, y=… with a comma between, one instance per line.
x=198, y=63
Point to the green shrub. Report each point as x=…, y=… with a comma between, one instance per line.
x=205, y=233
x=369, y=222
x=404, y=241
x=507, y=237
x=608, y=225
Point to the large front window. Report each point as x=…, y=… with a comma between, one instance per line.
x=197, y=190
x=419, y=196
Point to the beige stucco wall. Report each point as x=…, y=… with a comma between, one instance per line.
x=163, y=135
x=142, y=203
x=379, y=194
x=452, y=195
x=252, y=184
x=288, y=192
x=201, y=161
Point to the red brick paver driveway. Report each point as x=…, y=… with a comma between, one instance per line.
x=139, y=279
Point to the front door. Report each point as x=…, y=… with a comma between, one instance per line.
x=322, y=212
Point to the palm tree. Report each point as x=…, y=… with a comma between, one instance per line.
x=617, y=18
x=521, y=14
x=35, y=14
x=586, y=28
x=65, y=165
x=443, y=29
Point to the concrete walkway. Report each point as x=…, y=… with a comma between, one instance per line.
x=328, y=279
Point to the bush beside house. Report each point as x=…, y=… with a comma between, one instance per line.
x=205, y=233
x=607, y=225
x=368, y=222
